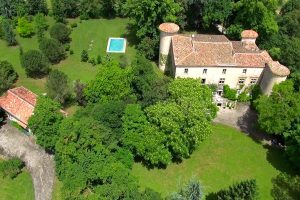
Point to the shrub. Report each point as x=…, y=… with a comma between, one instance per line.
x=60, y=32
x=35, y=63
x=92, y=61
x=11, y=168
x=25, y=28
x=229, y=93
x=84, y=56
x=123, y=61
x=53, y=50
x=99, y=59
x=71, y=52
x=67, y=47
x=74, y=25
x=244, y=190
x=7, y=76
x=243, y=97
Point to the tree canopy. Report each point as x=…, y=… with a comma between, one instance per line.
x=8, y=76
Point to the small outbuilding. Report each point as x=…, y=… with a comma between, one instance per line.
x=19, y=104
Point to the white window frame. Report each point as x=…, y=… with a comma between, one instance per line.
x=253, y=81
x=221, y=81
x=241, y=81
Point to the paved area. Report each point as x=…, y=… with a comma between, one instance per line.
x=38, y=162
x=244, y=119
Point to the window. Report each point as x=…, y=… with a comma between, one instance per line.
x=222, y=81
x=204, y=71
x=203, y=81
x=253, y=81
x=224, y=71
x=244, y=71
x=241, y=81
x=186, y=70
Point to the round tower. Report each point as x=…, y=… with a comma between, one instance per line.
x=167, y=30
x=274, y=73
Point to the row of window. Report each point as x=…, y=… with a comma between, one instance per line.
x=186, y=70
x=240, y=82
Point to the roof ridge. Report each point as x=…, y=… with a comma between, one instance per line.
x=20, y=98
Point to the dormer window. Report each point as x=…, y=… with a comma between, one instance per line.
x=244, y=71
x=204, y=71
x=224, y=71
x=186, y=70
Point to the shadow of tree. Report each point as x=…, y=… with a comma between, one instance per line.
x=211, y=196
x=130, y=36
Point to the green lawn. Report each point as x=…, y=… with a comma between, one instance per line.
x=226, y=157
x=17, y=189
x=98, y=30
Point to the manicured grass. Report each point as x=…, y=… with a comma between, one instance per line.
x=19, y=188
x=226, y=157
x=98, y=30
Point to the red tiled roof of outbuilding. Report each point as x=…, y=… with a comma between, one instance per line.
x=249, y=34
x=169, y=27
x=20, y=103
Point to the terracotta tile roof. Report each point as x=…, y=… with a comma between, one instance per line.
x=20, y=103
x=169, y=27
x=216, y=50
x=278, y=69
x=249, y=34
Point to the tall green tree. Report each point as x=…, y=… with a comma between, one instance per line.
x=45, y=122
x=8, y=33
x=35, y=63
x=191, y=191
x=53, y=50
x=10, y=8
x=8, y=76
x=25, y=28
x=147, y=84
x=286, y=187
x=111, y=83
x=143, y=139
x=60, y=32
x=85, y=163
x=216, y=11
x=37, y=6
x=282, y=103
x=40, y=25
x=147, y=15
x=57, y=86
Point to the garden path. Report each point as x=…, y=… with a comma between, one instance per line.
x=38, y=162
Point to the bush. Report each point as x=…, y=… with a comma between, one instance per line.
x=123, y=61
x=229, y=93
x=8, y=32
x=7, y=76
x=92, y=61
x=99, y=59
x=25, y=28
x=71, y=52
x=53, y=50
x=74, y=25
x=35, y=63
x=244, y=190
x=243, y=97
x=60, y=32
x=11, y=168
x=67, y=47
x=84, y=56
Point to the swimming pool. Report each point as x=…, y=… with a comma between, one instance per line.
x=116, y=45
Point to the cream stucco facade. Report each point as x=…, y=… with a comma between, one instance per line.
x=232, y=76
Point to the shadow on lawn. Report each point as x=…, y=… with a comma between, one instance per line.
x=130, y=36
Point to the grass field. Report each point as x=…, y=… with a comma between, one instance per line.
x=98, y=30
x=226, y=157
x=20, y=188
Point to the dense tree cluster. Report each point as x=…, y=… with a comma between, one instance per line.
x=286, y=187
x=11, y=168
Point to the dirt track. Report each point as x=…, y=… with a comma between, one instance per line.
x=38, y=162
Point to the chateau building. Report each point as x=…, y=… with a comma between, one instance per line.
x=214, y=59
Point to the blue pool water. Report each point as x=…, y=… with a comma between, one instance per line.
x=116, y=45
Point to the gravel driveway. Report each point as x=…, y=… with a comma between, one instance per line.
x=244, y=119
x=40, y=164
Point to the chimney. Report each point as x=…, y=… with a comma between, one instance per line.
x=249, y=37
